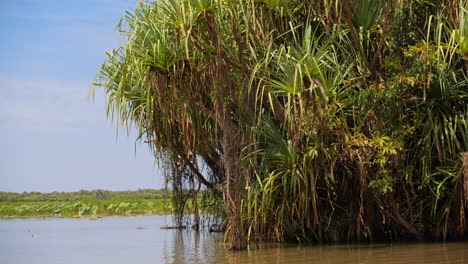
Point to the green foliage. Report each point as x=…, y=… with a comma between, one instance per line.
x=313, y=120
x=86, y=207
x=461, y=32
x=367, y=14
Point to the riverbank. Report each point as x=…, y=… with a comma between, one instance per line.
x=86, y=208
x=85, y=203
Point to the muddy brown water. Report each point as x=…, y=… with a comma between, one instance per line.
x=117, y=240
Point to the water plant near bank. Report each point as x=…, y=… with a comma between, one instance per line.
x=86, y=208
x=311, y=120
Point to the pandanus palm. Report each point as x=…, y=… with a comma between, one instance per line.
x=276, y=100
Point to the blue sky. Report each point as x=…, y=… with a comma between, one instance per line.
x=52, y=136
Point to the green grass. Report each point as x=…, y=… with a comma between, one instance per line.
x=81, y=195
x=86, y=208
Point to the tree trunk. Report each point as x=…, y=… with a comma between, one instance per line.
x=196, y=213
x=232, y=194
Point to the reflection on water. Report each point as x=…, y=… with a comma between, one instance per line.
x=396, y=253
x=193, y=247
x=116, y=240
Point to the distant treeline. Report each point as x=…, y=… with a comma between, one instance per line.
x=81, y=195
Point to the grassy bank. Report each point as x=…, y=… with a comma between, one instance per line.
x=81, y=203
x=86, y=207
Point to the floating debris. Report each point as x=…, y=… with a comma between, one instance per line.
x=140, y=227
x=173, y=227
x=93, y=219
x=35, y=235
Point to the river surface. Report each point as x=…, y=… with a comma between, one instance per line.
x=117, y=240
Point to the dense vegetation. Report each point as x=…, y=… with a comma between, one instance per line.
x=312, y=120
